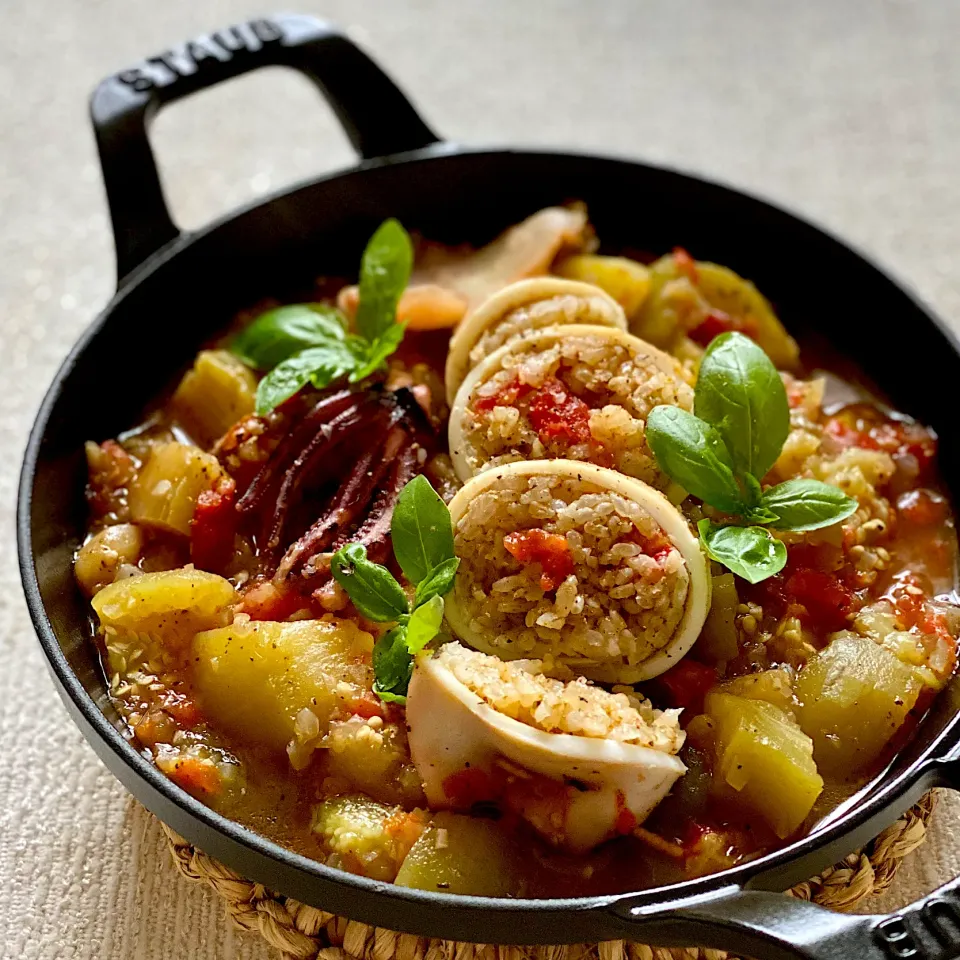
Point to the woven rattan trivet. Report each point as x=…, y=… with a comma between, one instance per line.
x=300, y=932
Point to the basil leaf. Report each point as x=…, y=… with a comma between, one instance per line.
x=421, y=530
x=750, y=552
x=279, y=333
x=760, y=514
x=438, y=581
x=392, y=665
x=741, y=394
x=384, y=274
x=693, y=454
x=372, y=355
x=317, y=365
x=424, y=624
x=803, y=504
x=372, y=588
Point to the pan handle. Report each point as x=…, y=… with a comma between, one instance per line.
x=377, y=117
x=773, y=926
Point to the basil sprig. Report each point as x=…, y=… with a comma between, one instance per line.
x=308, y=342
x=720, y=452
x=422, y=537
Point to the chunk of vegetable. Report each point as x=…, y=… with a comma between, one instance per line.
x=213, y=395
x=462, y=854
x=853, y=697
x=255, y=678
x=766, y=758
x=718, y=639
x=627, y=281
x=739, y=298
x=101, y=557
x=165, y=493
x=365, y=837
x=773, y=686
x=172, y=605
x=373, y=757
x=685, y=294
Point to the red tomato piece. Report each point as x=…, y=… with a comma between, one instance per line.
x=196, y=776
x=550, y=550
x=686, y=264
x=687, y=684
x=826, y=599
x=267, y=601
x=557, y=413
x=213, y=526
x=923, y=507
x=507, y=396
x=470, y=786
x=717, y=322
x=626, y=822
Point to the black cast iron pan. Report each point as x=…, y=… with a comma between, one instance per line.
x=175, y=289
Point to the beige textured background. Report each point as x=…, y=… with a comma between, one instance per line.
x=845, y=110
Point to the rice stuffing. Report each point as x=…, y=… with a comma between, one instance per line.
x=581, y=397
x=521, y=691
x=620, y=603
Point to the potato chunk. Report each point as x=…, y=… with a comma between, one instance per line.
x=101, y=557
x=171, y=605
x=766, y=758
x=853, y=697
x=255, y=678
x=625, y=280
x=365, y=837
x=373, y=757
x=213, y=395
x=165, y=493
x=460, y=854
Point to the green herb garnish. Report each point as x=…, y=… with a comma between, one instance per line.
x=308, y=342
x=422, y=536
x=720, y=451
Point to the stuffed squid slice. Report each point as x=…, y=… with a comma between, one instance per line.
x=521, y=308
x=579, y=392
x=579, y=764
x=576, y=565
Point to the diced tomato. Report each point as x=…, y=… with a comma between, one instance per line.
x=550, y=550
x=554, y=412
x=861, y=425
x=686, y=264
x=267, y=601
x=505, y=397
x=367, y=705
x=626, y=822
x=213, y=526
x=540, y=800
x=182, y=709
x=470, y=786
x=557, y=413
x=908, y=594
x=717, y=322
x=923, y=507
x=196, y=776
x=826, y=600
x=686, y=684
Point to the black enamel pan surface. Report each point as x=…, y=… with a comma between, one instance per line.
x=175, y=289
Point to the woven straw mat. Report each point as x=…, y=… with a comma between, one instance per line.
x=300, y=932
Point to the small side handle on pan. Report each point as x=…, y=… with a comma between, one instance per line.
x=377, y=117
x=774, y=926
